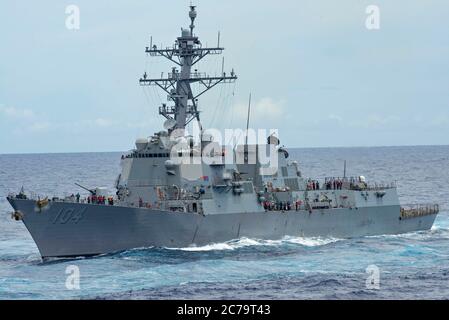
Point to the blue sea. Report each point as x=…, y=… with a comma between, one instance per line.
x=411, y=266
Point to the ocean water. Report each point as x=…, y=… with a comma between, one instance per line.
x=414, y=265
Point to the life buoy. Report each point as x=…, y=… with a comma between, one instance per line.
x=42, y=203
x=17, y=215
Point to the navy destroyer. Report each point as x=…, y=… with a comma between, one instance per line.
x=178, y=191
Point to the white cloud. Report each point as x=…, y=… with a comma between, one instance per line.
x=101, y=122
x=372, y=121
x=335, y=117
x=376, y=120
x=13, y=112
x=441, y=121
x=39, y=126
x=262, y=109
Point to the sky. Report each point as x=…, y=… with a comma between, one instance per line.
x=315, y=71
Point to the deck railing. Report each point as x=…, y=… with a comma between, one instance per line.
x=348, y=183
x=418, y=210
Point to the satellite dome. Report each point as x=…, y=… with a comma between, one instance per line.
x=185, y=33
x=181, y=141
x=141, y=143
x=169, y=124
x=192, y=13
x=207, y=137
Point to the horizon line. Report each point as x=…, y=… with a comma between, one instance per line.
x=322, y=147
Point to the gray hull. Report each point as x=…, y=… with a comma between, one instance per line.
x=75, y=229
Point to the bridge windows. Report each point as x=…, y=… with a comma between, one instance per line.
x=151, y=155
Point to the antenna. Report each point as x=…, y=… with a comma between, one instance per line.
x=169, y=124
x=222, y=65
x=344, y=170
x=218, y=43
x=192, y=15
x=247, y=119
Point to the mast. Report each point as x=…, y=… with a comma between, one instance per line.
x=245, y=148
x=185, y=53
x=247, y=119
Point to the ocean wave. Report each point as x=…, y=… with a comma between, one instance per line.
x=248, y=242
x=435, y=233
x=312, y=241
